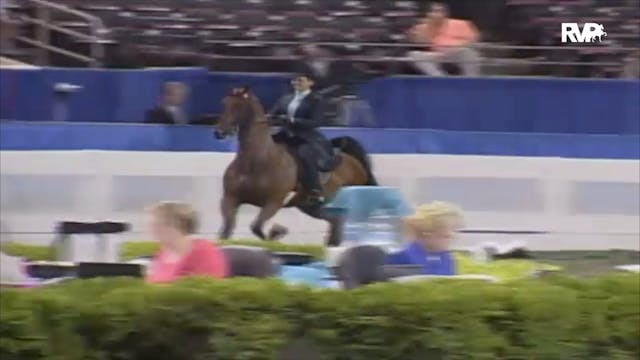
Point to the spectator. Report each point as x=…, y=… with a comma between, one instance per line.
x=8, y=28
x=4, y=13
x=431, y=229
x=448, y=41
x=331, y=77
x=631, y=68
x=172, y=224
x=335, y=81
x=316, y=61
x=170, y=110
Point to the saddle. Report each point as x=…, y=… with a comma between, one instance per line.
x=329, y=162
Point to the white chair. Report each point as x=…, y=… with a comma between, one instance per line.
x=629, y=268
x=11, y=270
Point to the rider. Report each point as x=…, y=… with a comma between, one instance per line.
x=301, y=113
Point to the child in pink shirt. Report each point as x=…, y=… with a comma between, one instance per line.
x=180, y=254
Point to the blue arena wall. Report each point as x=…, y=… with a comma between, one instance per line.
x=140, y=137
x=522, y=105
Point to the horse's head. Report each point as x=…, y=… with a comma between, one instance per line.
x=237, y=107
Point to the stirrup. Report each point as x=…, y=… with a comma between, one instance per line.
x=315, y=198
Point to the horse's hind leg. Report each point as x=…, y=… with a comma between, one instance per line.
x=336, y=224
x=266, y=213
x=229, y=208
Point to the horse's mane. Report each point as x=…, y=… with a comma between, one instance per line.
x=250, y=115
x=254, y=108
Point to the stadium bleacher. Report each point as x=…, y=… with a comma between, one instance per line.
x=217, y=33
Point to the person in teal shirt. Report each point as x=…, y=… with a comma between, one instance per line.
x=432, y=227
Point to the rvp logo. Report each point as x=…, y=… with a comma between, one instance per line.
x=591, y=32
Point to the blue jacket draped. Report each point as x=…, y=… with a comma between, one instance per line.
x=433, y=263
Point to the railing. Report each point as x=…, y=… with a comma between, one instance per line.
x=44, y=26
x=408, y=45
x=484, y=61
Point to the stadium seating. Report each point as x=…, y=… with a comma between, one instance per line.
x=217, y=33
x=541, y=19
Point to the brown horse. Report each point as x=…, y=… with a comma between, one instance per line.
x=265, y=173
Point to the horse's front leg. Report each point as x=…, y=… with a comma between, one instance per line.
x=336, y=226
x=229, y=208
x=266, y=213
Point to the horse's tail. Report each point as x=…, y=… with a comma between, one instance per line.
x=351, y=146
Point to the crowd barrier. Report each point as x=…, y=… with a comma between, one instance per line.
x=139, y=137
x=464, y=104
x=551, y=203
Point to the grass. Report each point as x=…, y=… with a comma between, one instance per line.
x=588, y=263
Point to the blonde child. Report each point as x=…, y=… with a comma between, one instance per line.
x=431, y=229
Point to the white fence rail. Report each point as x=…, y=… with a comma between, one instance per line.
x=569, y=203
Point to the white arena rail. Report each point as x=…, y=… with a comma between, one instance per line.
x=551, y=203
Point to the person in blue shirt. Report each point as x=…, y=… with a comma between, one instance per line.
x=432, y=228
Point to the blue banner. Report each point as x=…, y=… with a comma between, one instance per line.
x=121, y=96
x=522, y=105
x=507, y=104
x=139, y=137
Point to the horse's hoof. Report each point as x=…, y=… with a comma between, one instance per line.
x=257, y=231
x=277, y=232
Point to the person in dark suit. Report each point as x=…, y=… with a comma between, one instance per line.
x=170, y=110
x=328, y=75
x=301, y=113
x=336, y=81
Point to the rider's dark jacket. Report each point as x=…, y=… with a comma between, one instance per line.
x=301, y=128
x=306, y=118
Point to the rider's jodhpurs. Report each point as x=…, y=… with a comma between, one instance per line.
x=309, y=174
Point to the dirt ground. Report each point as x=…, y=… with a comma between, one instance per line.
x=588, y=263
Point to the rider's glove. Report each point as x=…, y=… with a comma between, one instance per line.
x=286, y=120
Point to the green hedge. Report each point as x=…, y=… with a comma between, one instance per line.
x=29, y=252
x=244, y=319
